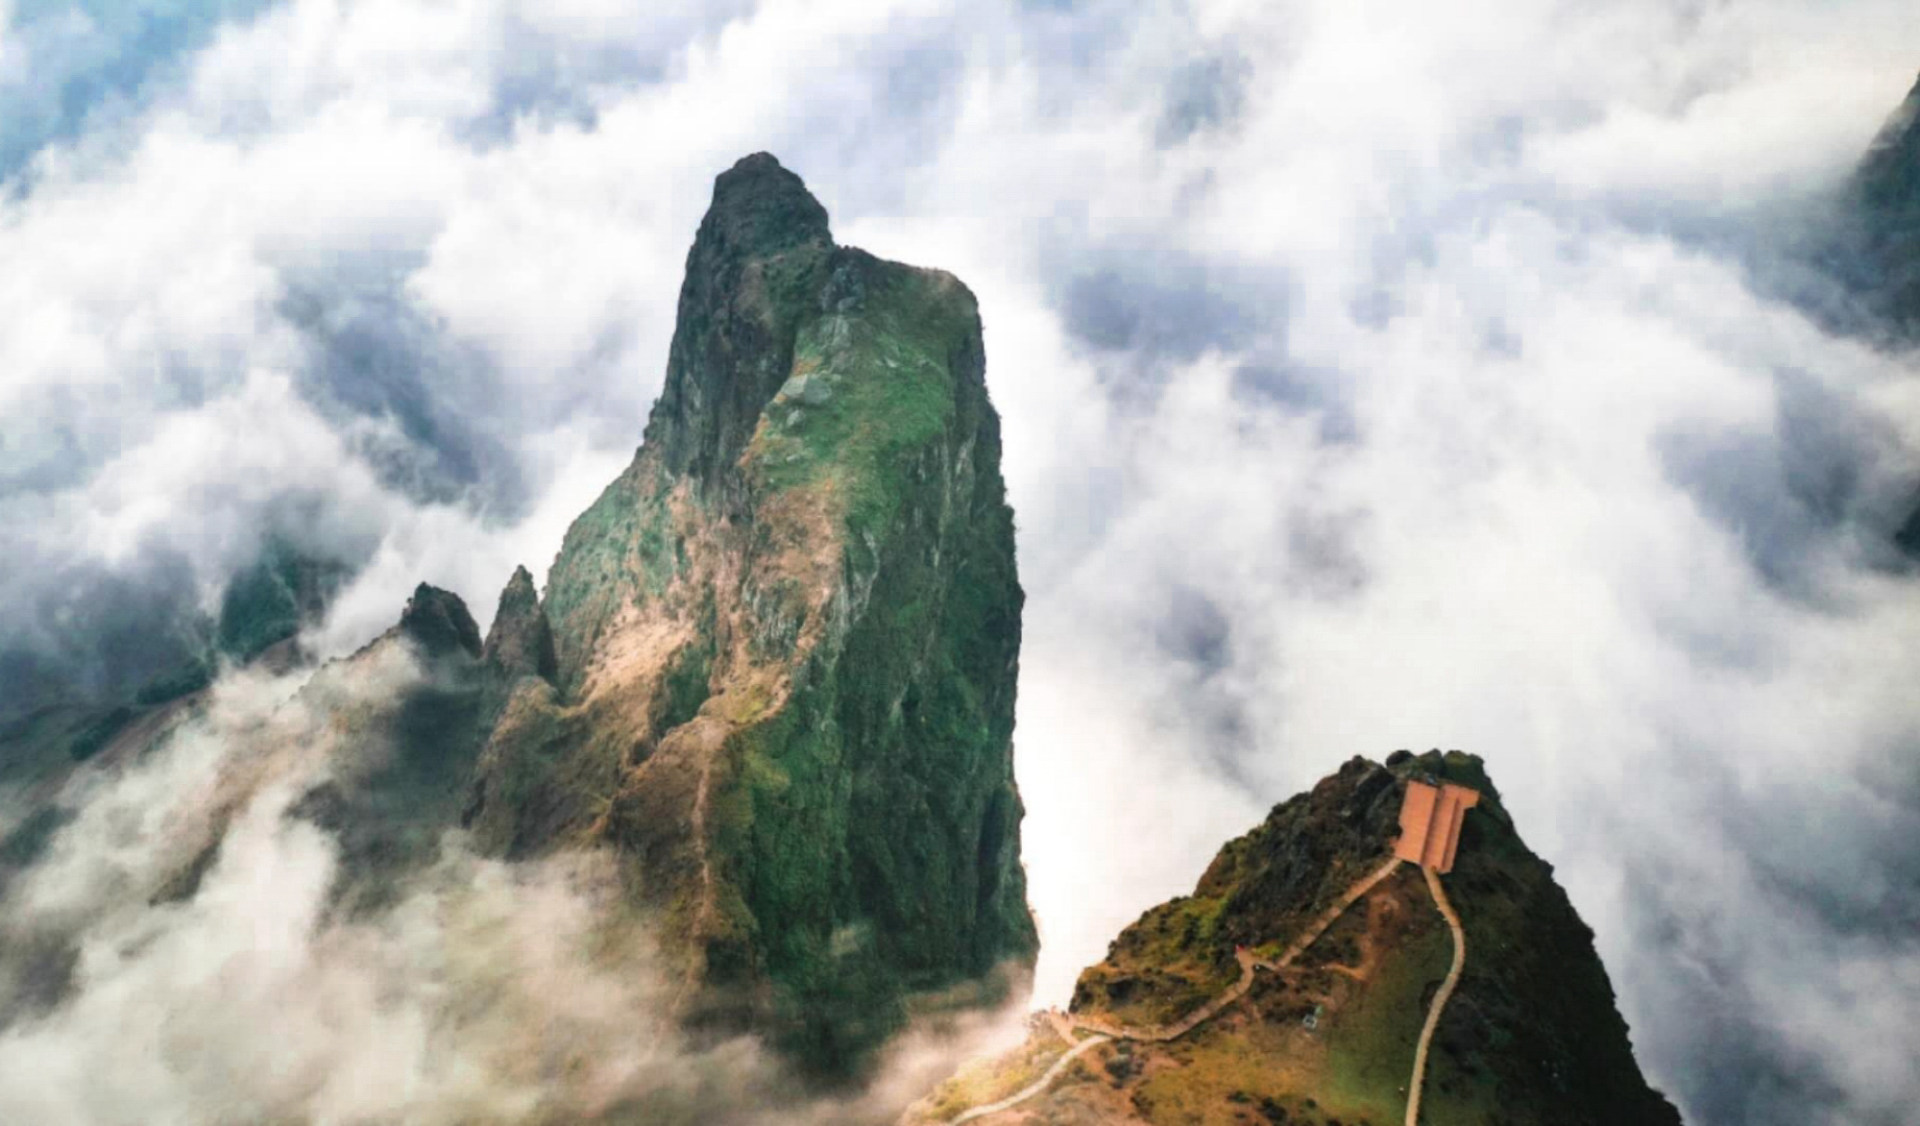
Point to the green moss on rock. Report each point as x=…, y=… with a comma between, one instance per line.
x=284, y=591
x=786, y=642
x=1533, y=1035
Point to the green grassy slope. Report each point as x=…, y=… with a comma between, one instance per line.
x=1532, y=1035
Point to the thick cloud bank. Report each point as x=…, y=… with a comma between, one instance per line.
x=177, y=954
x=1373, y=376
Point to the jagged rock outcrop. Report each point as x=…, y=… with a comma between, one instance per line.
x=785, y=644
x=1531, y=1036
x=439, y=623
x=393, y=730
x=520, y=642
x=400, y=775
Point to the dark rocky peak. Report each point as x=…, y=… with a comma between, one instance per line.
x=753, y=275
x=1877, y=251
x=760, y=208
x=1878, y=248
x=1888, y=177
x=808, y=566
x=439, y=623
x=520, y=643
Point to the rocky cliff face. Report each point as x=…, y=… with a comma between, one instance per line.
x=773, y=670
x=1530, y=1036
x=775, y=662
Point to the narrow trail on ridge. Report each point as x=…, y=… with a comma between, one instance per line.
x=1038, y=1085
x=1439, y=999
x=1248, y=964
x=1104, y=1032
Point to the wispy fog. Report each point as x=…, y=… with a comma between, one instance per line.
x=480, y=992
x=1373, y=376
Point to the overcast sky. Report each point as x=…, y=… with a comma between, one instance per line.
x=1373, y=376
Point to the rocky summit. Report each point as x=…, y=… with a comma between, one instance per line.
x=772, y=672
x=774, y=665
x=1297, y=982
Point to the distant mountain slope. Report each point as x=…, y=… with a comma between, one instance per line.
x=51, y=723
x=1878, y=252
x=1883, y=200
x=1531, y=1036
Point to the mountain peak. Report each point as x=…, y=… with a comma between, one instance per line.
x=784, y=646
x=520, y=590
x=1315, y=975
x=759, y=207
x=1888, y=177
x=438, y=620
x=520, y=643
x=754, y=275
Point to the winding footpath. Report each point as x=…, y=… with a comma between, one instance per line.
x=1248, y=964
x=1105, y=1032
x=1439, y=999
x=1319, y=926
x=1038, y=1085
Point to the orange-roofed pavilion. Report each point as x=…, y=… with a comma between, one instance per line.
x=1430, y=823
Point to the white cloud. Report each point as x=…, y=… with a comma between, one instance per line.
x=477, y=996
x=488, y=992
x=1492, y=458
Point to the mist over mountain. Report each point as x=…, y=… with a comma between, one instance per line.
x=750, y=748
x=1880, y=248
x=1366, y=377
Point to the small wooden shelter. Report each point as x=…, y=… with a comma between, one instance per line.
x=1430, y=819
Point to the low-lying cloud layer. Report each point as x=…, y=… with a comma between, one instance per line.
x=251, y=991
x=1372, y=377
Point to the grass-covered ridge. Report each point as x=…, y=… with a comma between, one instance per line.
x=1530, y=1038
x=871, y=387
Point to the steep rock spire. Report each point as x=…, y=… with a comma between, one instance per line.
x=752, y=276
x=787, y=644
x=439, y=622
x=520, y=642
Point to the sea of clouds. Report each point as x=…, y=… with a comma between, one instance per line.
x=1373, y=376
x=478, y=992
